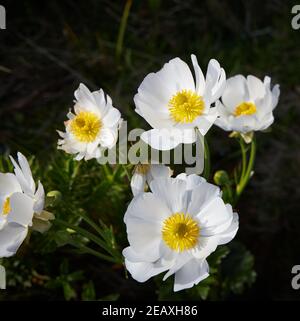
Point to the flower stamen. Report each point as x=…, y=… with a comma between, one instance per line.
x=180, y=232
x=245, y=108
x=185, y=106
x=6, y=206
x=85, y=126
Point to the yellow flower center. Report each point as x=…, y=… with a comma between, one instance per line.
x=142, y=169
x=185, y=106
x=245, y=108
x=6, y=206
x=180, y=232
x=86, y=126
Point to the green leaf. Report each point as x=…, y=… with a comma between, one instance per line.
x=88, y=292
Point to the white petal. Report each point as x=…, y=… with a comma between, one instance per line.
x=159, y=170
x=256, y=87
x=23, y=174
x=205, y=122
x=191, y=274
x=91, y=148
x=275, y=95
x=200, y=81
x=215, y=81
x=143, y=271
x=180, y=75
x=112, y=117
x=11, y=237
x=223, y=120
x=172, y=191
x=9, y=184
x=167, y=256
x=192, y=180
x=164, y=139
x=266, y=122
x=138, y=183
x=39, y=199
x=206, y=246
x=244, y=123
x=144, y=236
x=180, y=260
x=85, y=100
x=235, y=92
x=102, y=105
x=215, y=217
x=227, y=235
x=201, y=196
x=156, y=119
x=21, y=209
x=148, y=207
x=108, y=137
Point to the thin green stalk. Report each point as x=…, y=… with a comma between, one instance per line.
x=100, y=232
x=206, y=171
x=86, y=234
x=92, y=224
x=245, y=179
x=123, y=25
x=244, y=156
x=107, y=171
x=88, y=250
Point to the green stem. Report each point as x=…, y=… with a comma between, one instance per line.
x=88, y=250
x=245, y=179
x=244, y=157
x=86, y=234
x=206, y=171
x=123, y=24
x=126, y=172
x=107, y=172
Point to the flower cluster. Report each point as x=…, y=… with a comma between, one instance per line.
x=21, y=207
x=173, y=223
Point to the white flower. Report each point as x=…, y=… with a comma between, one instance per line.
x=93, y=127
x=247, y=104
x=19, y=201
x=174, y=104
x=145, y=173
x=175, y=228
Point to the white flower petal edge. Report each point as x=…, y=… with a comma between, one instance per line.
x=154, y=244
x=93, y=127
x=247, y=104
x=20, y=201
x=174, y=104
x=144, y=173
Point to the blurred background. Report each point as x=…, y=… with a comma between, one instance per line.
x=49, y=47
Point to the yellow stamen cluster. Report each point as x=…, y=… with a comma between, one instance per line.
x=245, y=108
x=85, y=126
x=180, y=232
x=6, y=207
x=185, y=106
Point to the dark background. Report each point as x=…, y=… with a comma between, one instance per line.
x=49, y=47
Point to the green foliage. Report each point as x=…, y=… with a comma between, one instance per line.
x=65, y=281
x=82, y=47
